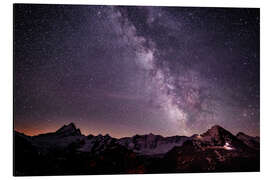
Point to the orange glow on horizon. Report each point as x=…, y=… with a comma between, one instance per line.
x=103, y=129
x=34, y=131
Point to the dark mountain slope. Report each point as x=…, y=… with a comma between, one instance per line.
x=67, y=151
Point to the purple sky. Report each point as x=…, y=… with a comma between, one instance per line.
x=135, y=70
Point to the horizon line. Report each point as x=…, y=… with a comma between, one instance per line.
x=14, y=129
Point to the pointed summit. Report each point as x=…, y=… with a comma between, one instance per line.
x=217, y=135
x=69, y=129
x=216, y=130
x=72, y=125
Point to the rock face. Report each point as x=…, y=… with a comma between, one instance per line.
x=69, y=130
x=67, y=135
x=217, y=136
x=67, y=151
x=152, y=144
x=252, y=142
x=97, y=144
x=217, y=150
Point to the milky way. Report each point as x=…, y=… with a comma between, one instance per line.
x=135, y=70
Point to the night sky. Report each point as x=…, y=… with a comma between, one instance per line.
x=134, y=70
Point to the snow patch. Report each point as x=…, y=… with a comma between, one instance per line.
x=227, y=146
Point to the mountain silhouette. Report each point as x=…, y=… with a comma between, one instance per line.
x=67, y=151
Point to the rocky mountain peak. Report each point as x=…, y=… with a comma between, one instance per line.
x=217, y=135
x=216, y=130
x=69, y=129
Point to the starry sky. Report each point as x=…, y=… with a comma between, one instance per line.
x=126, y=70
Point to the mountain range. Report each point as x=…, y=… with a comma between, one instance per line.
x=68, y=152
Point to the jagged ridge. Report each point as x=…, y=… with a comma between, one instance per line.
x=213, y=151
